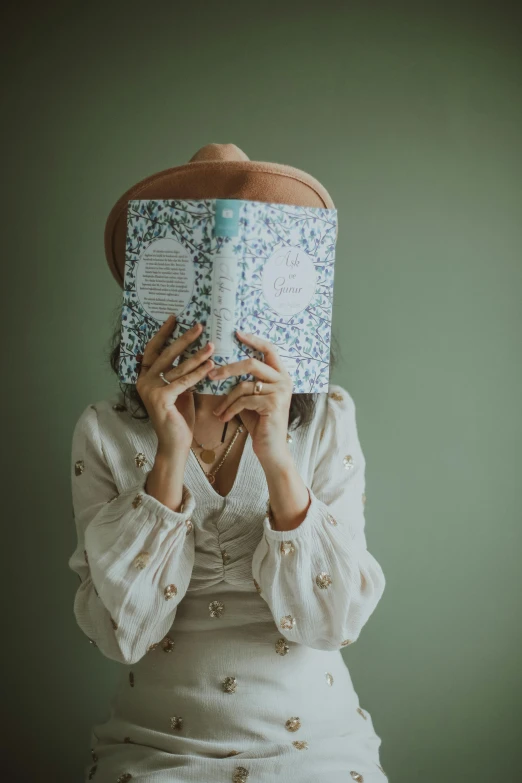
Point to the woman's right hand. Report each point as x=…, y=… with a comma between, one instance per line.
x=171, y=406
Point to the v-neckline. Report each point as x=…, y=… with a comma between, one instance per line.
x=195, y=470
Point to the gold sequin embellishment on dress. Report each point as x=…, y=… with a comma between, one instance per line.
x=141, y=560
x=281, y=647
x=323, y=580
x=169, y=591
x=348, y=462
x=229, y=684
x=216, y=608
x=292, y=724
x=167, y=644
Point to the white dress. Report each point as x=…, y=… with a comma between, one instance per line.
x=229, y=632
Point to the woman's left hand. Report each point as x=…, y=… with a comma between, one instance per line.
x=265, y=414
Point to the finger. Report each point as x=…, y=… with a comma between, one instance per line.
x=184, y=382
x=190, y=363
x=179, y=345
x=154, y=345
x=260, y=403
x=270, y=351
x=247, y=366
x=241, y=389
x=160, y=358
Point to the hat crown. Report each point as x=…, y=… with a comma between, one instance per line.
x=222, y=152
x=221, y=171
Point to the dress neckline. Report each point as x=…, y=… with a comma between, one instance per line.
x=197, y=473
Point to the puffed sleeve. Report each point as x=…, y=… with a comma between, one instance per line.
x=134, y=555
x=319, y=579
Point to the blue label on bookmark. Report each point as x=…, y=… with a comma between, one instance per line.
x=227, y=217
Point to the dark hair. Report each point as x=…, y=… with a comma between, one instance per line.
x=302, y=406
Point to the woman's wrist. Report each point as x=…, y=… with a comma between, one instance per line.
x=165, y=479
x=289, y=498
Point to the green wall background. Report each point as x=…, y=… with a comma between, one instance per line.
x=410, y=115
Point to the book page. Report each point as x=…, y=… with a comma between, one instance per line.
x=164, y=278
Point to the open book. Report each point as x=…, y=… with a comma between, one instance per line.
x=262, y=268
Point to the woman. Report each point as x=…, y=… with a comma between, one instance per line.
x=226, y=575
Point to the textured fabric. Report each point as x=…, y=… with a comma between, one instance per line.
x=184, y=600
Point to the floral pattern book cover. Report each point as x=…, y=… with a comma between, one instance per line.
x=262, y=268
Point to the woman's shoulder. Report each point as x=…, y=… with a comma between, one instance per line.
x=334, y=407
x=338, y=393
x=108, y=415
x=336, y=411
x=339, y=400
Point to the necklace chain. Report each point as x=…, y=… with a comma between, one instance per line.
x=207, y=448
x=211, y=475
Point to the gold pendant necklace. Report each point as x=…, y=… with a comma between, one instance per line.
x=211, y=476
x=209, y=455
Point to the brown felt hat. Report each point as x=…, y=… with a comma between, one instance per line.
x=215, y=171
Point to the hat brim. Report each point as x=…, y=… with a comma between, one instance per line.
x=251, y=180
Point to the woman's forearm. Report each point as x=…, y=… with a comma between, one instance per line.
x=165, y=480
x=289, y=498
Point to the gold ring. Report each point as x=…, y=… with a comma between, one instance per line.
x=258, y=385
